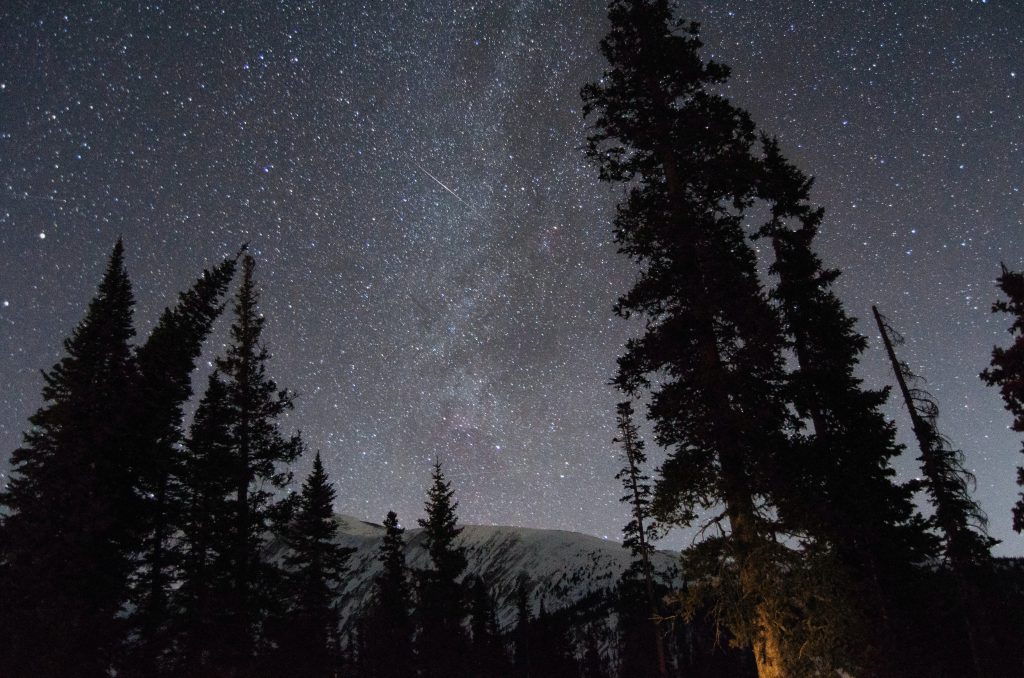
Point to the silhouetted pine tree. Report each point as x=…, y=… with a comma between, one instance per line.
x=641, y=530
x=711, y=336
x=387, y=627
x=261, y=457
x=487, y=657
x=202, y=602
x=316, y=566
x=840, y=491
x=165, y=365
x=1007, y=367
x=68, y=534
x=441, y=641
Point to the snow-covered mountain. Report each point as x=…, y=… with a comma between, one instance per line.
x=564, y=567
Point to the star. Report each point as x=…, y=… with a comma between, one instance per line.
x=436, y=258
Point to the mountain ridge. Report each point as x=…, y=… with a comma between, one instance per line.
x=564, y=568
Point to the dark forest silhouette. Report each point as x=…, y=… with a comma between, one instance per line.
x=130, y=544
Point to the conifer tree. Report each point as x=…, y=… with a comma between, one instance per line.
x=202, y=602
x=442, y=643
x=487, y=657
x=165, y=365
x=1007, y=367
x=839, y=491
x=388, y=625
x=711, y=336
x=640, y=531
x=260, y=458
x=67, y=532
x=316, y=566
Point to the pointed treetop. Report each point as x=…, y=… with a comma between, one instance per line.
x=318, y=468
x=317, y=489
x=167, y=358
x=392, y=556
x=115, y=286
x=101, y=339
x=391, y=523
x=441, y=525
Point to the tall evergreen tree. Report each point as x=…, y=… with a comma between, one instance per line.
x=1007, y=367
x=67, y=532
x=641, y=530
x=840, y=489
x=388, y=624
x=164, y=384
x=442, y=643
x=711, y=336
x=202, y=602
x=261, y=455
x=316, y=568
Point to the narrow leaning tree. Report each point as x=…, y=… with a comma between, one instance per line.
x=166, y=362
x=316, y=566
x=1007, y=367
x=958, y=519
x=68, y=533
x=711, y=354
x=442, y=643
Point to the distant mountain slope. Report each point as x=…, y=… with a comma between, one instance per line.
x=564, y=567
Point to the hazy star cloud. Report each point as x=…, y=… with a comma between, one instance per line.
x=435, y=253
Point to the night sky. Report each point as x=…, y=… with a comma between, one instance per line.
x=435, y=252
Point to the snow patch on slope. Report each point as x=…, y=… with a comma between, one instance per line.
x=563, y=567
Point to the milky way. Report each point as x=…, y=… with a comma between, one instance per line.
x=435, y=253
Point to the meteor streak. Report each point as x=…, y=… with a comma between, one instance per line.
x=38, y=198
x=445, y=187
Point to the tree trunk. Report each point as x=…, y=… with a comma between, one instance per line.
x=739, y=504
x=768, y=654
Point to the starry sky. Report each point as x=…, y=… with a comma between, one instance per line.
x=435, y=252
